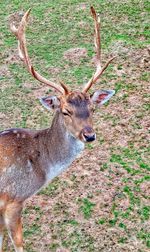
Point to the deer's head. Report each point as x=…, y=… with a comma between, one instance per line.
x=75, y=107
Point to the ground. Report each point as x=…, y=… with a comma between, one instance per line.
x=102, y=202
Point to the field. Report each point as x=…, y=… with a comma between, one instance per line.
x=102, y=203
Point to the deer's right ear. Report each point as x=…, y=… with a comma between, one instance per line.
x=50, y=102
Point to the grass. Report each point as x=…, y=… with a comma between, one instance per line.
x=102, y=202
x=87, y=208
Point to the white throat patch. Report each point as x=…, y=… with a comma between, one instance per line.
x=57, y=168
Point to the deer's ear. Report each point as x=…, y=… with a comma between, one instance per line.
x=50, y=102
x=102, y=96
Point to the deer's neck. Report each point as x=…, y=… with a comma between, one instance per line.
x=62, y=148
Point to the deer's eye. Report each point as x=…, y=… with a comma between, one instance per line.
x=66, y=112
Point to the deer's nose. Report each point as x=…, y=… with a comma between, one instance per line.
x=89, y=138
x=88, y=134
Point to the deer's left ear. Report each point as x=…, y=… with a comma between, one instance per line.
x=102, y=96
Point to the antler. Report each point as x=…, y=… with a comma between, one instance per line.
x=97, y=41
x=23, y=53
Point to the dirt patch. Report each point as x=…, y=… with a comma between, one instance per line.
x=145, y=123
x=62, y=250
x=119, y=48
x=138, y=57
x=141, y=57
x=11, y=56
x=134, y=102
x=145, y=187
x=75, y=55
x=54, y=70
x=5, y=120
x=4, y=71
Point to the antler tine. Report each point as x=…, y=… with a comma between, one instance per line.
x=97, y=40
x=23, y=54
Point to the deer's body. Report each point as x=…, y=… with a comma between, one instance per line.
x=31, y=158
x=34, y=158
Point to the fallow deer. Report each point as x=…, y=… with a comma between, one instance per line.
x=31, y=158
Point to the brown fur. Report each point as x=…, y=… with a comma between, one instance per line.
x=80, y=106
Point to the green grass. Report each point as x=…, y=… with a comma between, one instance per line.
x=86, y=208
x=101, y=221
x=145, y=236
x=51, y=189
x=34, y=229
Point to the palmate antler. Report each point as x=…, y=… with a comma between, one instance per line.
x=97, y=40
x=23, y=53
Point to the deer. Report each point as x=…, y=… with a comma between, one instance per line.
x=29, y=159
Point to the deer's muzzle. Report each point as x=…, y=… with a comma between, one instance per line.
x=88, y=134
